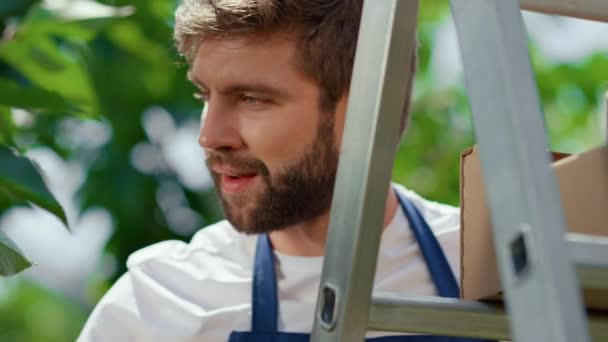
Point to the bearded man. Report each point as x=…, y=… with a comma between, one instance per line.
x=274, y=77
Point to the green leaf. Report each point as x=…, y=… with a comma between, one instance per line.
x=12, y=259
x=31, y=97
x=10, y=8
x=6, y=126
x=21, y=180
x=40, y=21
x=51, y=55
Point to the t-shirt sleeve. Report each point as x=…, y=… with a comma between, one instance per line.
x=175, y=291
x=115, y=317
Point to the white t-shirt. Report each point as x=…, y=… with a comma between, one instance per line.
x=201, y=291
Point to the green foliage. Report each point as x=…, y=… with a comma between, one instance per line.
x=20, y=180
x=12, y=260
x=31, y=97
x=6, y=127
x=32, y=313
x=10, y=8
x=573, y=97
x=48, y=56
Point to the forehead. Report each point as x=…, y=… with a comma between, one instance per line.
x=269, y=59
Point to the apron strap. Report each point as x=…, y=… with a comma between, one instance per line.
x=264, y=310
x=264, y=305
x=437, y=263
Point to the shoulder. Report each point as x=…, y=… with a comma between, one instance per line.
x=217, y=258
x=114, y=318
x=177, y=287
x=219, y=240
x=442, y=218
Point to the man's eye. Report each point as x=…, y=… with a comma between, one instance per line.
x=249, y=99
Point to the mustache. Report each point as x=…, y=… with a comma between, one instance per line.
x=231, y=159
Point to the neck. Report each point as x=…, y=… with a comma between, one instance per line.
x=308, y=238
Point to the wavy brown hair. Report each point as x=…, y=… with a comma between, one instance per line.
x=326, y=33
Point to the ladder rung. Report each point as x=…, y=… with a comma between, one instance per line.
x=590, y=254
x=584, y=9
x=452, y=317
x=437, y=315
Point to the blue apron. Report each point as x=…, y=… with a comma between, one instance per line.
x=264, y=305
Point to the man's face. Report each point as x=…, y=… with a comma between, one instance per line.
x=272, y=153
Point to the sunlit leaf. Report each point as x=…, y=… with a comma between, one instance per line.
x=6, y=126
x=41, y=61
x=132, y=38
x=51, y=55
x=31, y=97
x=21, y=180
x=12, y=259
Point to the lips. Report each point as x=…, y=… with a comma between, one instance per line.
x=231, y=172
x=233, y=180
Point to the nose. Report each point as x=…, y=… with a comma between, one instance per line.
x=219, y=128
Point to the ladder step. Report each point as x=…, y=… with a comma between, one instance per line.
x=584, y=9
x=453, y=317
x=439, y=316
x=590, y=254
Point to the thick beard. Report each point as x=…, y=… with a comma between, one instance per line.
x=298, y=193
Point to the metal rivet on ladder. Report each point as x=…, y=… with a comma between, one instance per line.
x=329, y=306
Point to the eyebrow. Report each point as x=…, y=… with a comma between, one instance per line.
x=253, y=87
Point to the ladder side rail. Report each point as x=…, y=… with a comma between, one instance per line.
x=371, y=134
x=539, y=281
x=584, y=9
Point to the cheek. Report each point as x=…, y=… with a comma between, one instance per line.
x=281, y=136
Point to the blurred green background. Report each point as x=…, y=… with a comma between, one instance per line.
x=95, y=92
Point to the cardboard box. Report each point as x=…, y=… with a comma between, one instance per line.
x=583, y=183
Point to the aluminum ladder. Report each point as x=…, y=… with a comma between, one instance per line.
x=529, y=229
